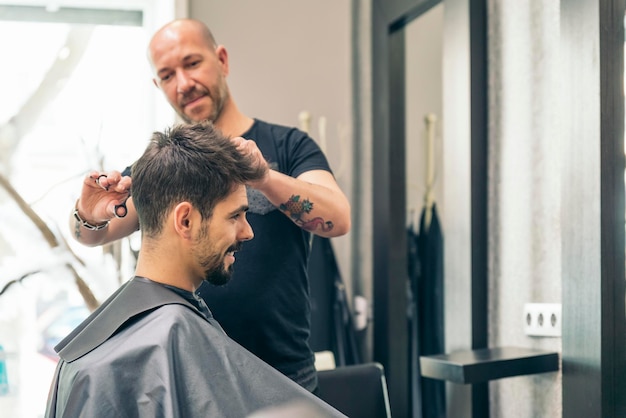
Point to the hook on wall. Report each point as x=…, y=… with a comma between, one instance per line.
x=430, y=119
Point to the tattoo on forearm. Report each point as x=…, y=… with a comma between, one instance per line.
x=296, y=207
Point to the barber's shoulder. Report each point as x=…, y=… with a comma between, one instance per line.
x=279, y=131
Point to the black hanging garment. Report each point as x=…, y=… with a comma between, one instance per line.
x=426, y=316
x=332, y=326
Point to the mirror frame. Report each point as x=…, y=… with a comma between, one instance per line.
x=389, y=17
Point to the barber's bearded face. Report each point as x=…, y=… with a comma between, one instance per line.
x=202, y=103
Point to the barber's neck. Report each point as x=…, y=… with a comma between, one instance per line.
x=233, y=122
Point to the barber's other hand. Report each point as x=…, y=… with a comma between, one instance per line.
x=249, y=147
x=100, y=193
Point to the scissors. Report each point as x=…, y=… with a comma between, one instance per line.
x=119, y=210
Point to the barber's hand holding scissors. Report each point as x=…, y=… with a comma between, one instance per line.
x=104, y=196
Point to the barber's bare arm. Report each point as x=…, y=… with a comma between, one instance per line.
x=313, y=200
x=92, y=221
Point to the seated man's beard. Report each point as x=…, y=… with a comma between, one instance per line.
x=215, y=272
x=219, y=276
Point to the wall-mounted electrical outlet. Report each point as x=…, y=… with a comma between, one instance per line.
x=542, y=319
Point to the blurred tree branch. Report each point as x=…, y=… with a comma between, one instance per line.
x=88, y=296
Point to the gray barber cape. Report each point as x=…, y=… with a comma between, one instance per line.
x=148, y=352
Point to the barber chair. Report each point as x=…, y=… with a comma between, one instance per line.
x=358, y=391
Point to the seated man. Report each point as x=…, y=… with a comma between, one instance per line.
x=153, y=349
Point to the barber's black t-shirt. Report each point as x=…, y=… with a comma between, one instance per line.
x=265, y=306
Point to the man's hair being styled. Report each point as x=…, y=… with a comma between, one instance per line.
x=194, y=163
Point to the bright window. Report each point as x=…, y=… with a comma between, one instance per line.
x=76, y=95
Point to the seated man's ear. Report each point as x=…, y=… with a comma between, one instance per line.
x=185, y=218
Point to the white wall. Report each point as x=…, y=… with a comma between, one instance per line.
x=525, y=192
x=457, y=194
x=424, y=95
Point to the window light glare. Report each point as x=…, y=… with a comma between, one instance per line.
x=52, y=7
x=64, y=53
